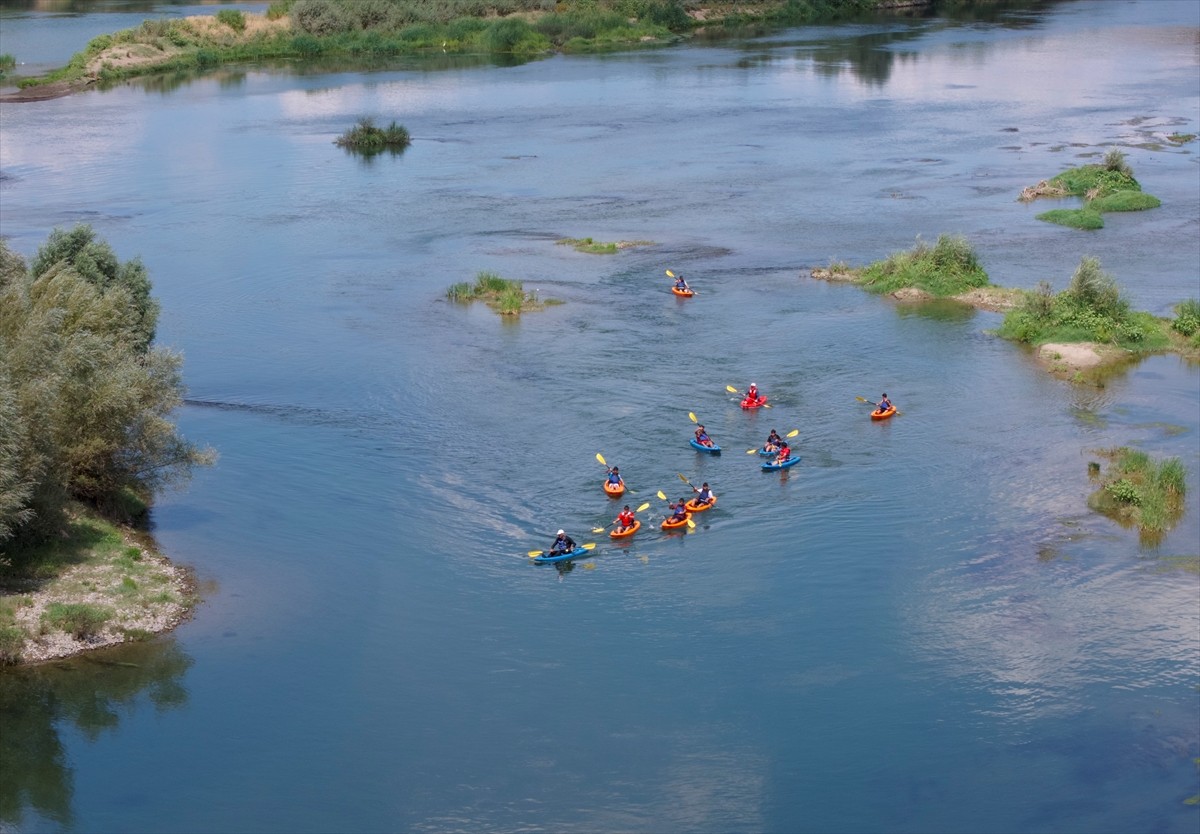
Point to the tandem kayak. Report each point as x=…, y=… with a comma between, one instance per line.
x=614, y=490
x=883, y=415
x=693, y=507
x=700, y=447
x=562, y=557
x=749, y=403
x=620, y=534
x=771, y=466
x=683, y=293
x=668, y=524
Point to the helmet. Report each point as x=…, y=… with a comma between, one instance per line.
x=561, y=533
x=753, y=384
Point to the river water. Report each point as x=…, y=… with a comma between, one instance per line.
x=921, y=628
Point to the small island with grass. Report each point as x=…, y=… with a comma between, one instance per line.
x=1089, y=326
x=1109, y=186
x=595, y=247
x=368, y=139
x=1136, y=490
x=505, y=296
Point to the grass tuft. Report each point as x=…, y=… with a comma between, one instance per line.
x=1139, y=491
x=505, y=296
x=366, y=138
x=947, y=268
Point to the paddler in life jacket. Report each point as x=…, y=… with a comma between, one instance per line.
x=884, y=404
x=703, y=495
x=625, y=519
x=562, y=544
x=702, y=436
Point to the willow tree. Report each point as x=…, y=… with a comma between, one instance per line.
x=85, y=400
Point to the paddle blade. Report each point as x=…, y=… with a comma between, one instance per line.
x=660, y=495
x=645, y=506
x=597, y=529
x=588, y=546
x=691, y=524
x=793, y=433
x=680, y=474
x=731, y=389
x=600, y=458
x=533, y=553
x=670, y=274
x=692, y=417
x=751, y=451
x=863, y=400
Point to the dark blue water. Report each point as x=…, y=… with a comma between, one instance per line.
x=920, y=628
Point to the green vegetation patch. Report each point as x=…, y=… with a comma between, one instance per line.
x=1187, y=321
x=595, y=247
x=79, y=619
x=505, y=296
x=1091, y=309
x=1181, y=138
x=365, y=138
x=1107, y=186
x=1139, y=491
x=949, y=267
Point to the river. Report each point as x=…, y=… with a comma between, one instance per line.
x=921, y=628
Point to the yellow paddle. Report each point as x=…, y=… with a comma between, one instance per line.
x=792, y=433
x=692, y=417
x=605, y=527
x=587, y=546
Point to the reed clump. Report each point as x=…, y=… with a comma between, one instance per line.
x=366, y=138
x=1091, y=309
x=1137, y=490
x=947, y=268
x=507, y=297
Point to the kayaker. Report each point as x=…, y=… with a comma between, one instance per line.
x=784, y=453
x=681, y=284
x=702, y=436
x=625, y=519
x=774, y=441
x=703, y=495
x=680, y=511
x=884, y=404
x=752, y=393
x=562, y=544
x=614, y=477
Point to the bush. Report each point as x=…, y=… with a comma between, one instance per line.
x=1126, y=200
x=366, y=138
x=322, y=17
x=279, y=8
x=79, y=619
x=1187, y=317
x=1075, y=218
x=513, y=35
x=232, y=18
x=1114, y=161
x=12, y=643
x=949, y=267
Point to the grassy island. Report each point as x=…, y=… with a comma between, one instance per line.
x=367, y=32
x=1138, y=491
x=595, y=247
x=505, y=296
x=365, y=138
x=1109, y=186
x=947, y=268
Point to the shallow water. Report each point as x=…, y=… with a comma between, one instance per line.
x=920, y=628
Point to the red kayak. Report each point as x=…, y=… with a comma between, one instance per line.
x=749, y=403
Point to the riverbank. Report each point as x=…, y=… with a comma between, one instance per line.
x=367, y=36
x=97, y=585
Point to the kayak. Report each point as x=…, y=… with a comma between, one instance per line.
x=562, y=557
x=614, y=490
x=620, y=534
x=763, y=453
x=699, y=508
x=682, y=293
x=771, y=466
x=883, y=415
x=749, y=403
x=700, y=447
x=668, y=524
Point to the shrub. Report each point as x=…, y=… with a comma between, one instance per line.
x=1124, y=491
x=949, y=267
x=321, y=17
x=79, y=619
x=1187, y=317
x=1114, y=161
x=279, y=8
x=12, y=643
x=513, y=35
x=232, y=18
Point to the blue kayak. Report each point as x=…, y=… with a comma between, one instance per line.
x=562, y=557
x=771, y=466
x=763, y=453
x=700, y=447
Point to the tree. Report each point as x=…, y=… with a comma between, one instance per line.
x=85, y=402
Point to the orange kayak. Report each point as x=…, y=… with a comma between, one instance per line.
x=620, y=534
x=614, y=490
x=682, y=293
x=883, y=415
x=670, y=525
x=699, y=508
